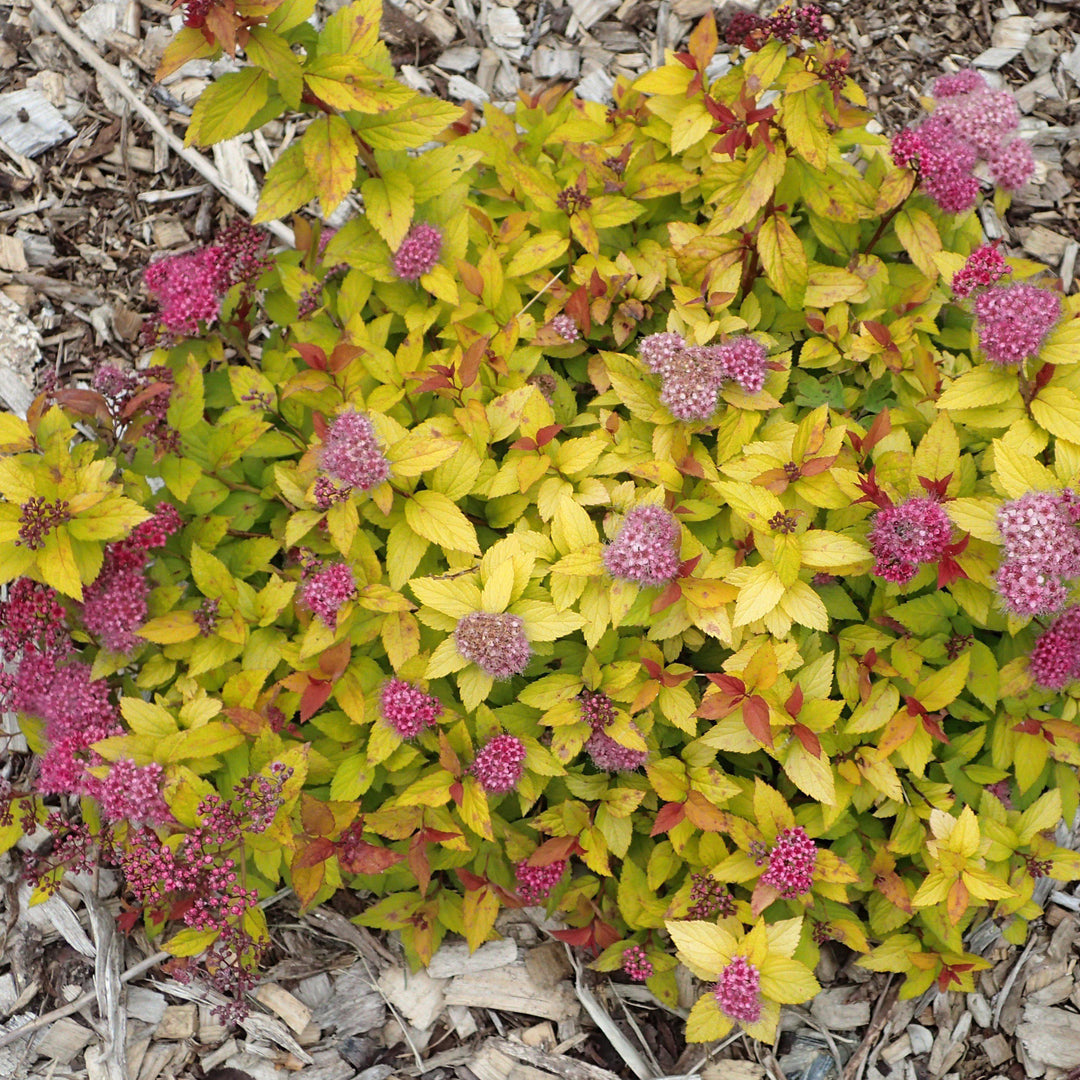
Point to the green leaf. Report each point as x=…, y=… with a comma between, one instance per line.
x=784, y=259
x=227, y=106
x=288, y=184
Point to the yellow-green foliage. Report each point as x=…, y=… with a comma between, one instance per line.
x=777, y=683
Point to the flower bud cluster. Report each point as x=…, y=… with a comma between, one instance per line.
x=534, y=883
x=791, y=863
x=351, y=454
x=692, y=375
x=407, y=709
x=971, y=122
x=901, y=537
x=140, y=400
x=637, y=965
x=709, y=898
x=646, y=547
x=1013, y=321
x=746, y=28
x=499, y=764
x=1041, y=553
x=494, y=641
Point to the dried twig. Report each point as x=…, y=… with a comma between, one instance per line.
x=197, y=161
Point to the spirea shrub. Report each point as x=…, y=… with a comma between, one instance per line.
x=662, y=514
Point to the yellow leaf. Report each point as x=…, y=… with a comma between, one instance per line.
x=787, y=982
x=742, y=188
x=14, y=434
x=804, y=125
x=498, y=587
x=171, y=628
x=1063, y=344
x=932, y=891
x=942, y=687
x=706, y=1023
x=419, y=451
x=444, y=660
x=707, y=593
x=982, y=386
x=433, y=516
x=57, y=565
x=1020, y=473
x=388, y=202
x=481, y=906
x=801, y=604
x=919, y=235
x=452, y=596
x=1057, y=409
x=813, y=775
x=784, y=259
x=188, y=44
x=984, y=885
x=832, y=552
x=474, y=808
x=671, y=80
x=329, y=150
x=544, y=622
x=976, y=516
x=771, y=811
x=938, y=452
x=705, y=948
x=828, y=285
x=191, y=942
x=537, y=252
x=400, y=633
x=441, y=284
x=761, y=593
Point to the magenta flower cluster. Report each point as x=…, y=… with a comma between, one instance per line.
x=646, y=547
x=326, y=588
x=418, y=253
x=984, y=267
x=1055, y=658
x=494, y=642
x=534, y=883
x=971, y=122
x=605, y=752
x=738, y=991
x=1041, y=553
x=901, y=537
x=407, y=709
x=351, y=454
x=791, y=863
x=133, y=793
x=692, y=375
x=499, y=764
x=1013, y=321
x=189, y=288
x=637, y=965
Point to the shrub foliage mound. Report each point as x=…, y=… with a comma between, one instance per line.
x=660, y=513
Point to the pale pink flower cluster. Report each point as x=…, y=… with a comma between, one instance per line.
x=407, y=709
x=1041, y=551
x=565, y=327
x=791, y=863
x=351, y=454
x=971, y=122
x=646, y=547
x=1013, y=321
x=418, y=253
x=637, y=965
x=534, y=883
x=326, y=588
x=499, y=764
x=495, y=643
x=901, y=537
x=692, y=375
x=738, y=991
x=1055, y=658
x=984, y=267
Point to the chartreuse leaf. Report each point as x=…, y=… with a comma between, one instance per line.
x=227, y=106
x=329, y=157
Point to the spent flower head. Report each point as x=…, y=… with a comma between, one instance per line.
x=494, y=642
x=351, y=454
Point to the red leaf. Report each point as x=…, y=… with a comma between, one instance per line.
x=669, y=816
x=596, y=282
x=546, y=434
x=558, y=847
x=526, y=442
x=652, y=667
x=689, y=466
x=755, y=712
x=469, y=367
x=318, y=851
x=471, y=881
x=579, y=937
x=126, y=920
x=816, y=465
x=671, y=594
x=811, y=743
x=728, y=683
x=312, y=355
x=932, y=727
x=577, y=307
x=794, y=703
x=879, y=332
x=1030, y=726
x=364, y=858
x=418, y=863
x=314, y=698
x=688, y=566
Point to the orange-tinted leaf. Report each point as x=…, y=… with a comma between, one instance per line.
x=756, y=718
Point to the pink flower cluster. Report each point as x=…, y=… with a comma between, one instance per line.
x=326, y=588
x=791, y=863
x=418, y=253
x=565, y=327
x=646, y=547
x=984, y=267
x=971, y=122
x=494, y=642
x=351, y=453
x=499, y=764
x=133, y=793
x=901, y=537
x=189, y=288
x=604, y=752
x=534, y=883
x=692, y=375
x=738, y=991
x=1013, y=321
x=637, y=965
x=1041, y=551
x=407, y=709
x=1055, y=658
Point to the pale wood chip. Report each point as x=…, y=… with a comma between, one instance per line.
x=512, y=989
x=491, y=1064
x=833, y=1009
x=454, y=958
x=64, y=1040
x=178, y=1022
x=278, y=1000
x=416, y=995
x=1050, y=1036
